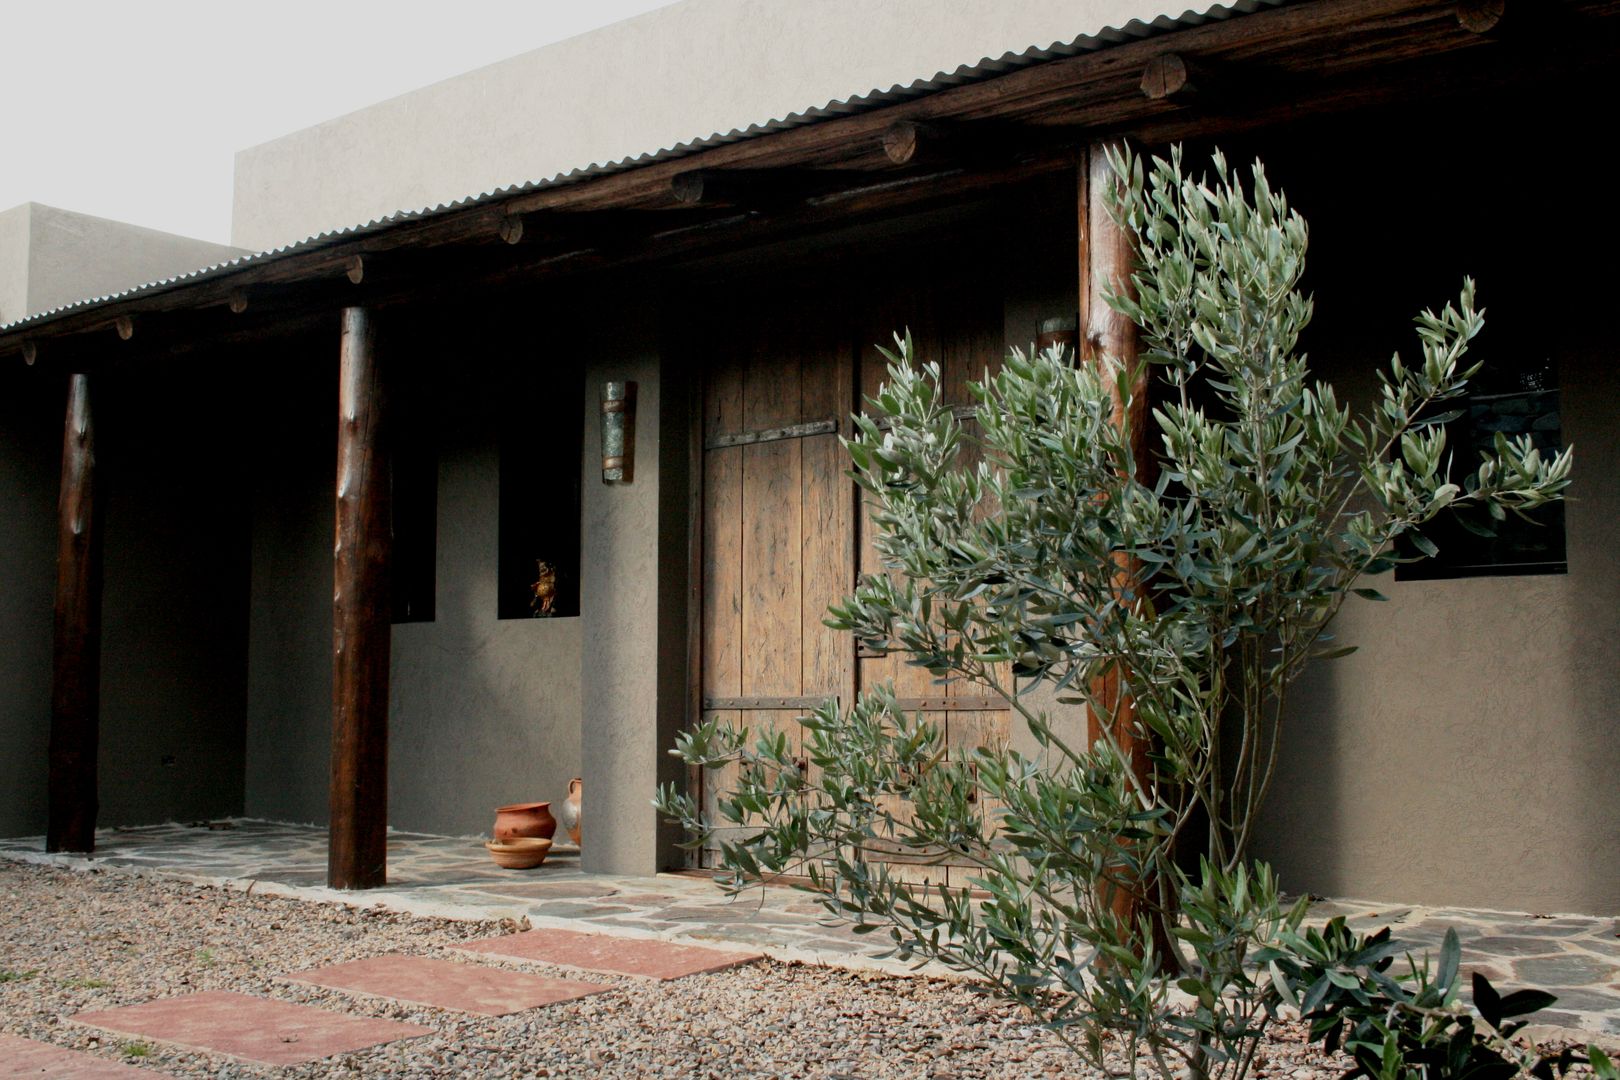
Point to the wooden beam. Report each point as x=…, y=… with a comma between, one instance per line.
x=1319, y=57
x=1480, y=16
x=940, y=144
x=125, y=327
x=361, y=616
x=354, y=268
x=76, y=651
x=914, y=142
x=1175, y=78
x=511, y=229
x=30, y=353
x=237, y=301
x=762, y=189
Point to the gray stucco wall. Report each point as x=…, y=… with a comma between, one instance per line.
x=289, y=706
x=1466, y=754
x=174, y=603
x=633, y=598
x=483, y=711
x=30, y=459
x=173, y=606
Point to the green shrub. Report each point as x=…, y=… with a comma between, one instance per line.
x=1204, y=590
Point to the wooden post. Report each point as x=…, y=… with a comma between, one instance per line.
x=361, y=616
x=1107, y=258
x=76, y=659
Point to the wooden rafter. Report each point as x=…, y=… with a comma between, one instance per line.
x=1298, y=58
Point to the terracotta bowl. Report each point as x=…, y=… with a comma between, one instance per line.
x=524, y=853
x=524, y=819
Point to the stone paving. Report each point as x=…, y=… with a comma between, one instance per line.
x=1576, y=958
x=249, y=1028
x=42, y=1061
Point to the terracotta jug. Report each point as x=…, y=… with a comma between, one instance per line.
x=524, y=819
x=570, y=809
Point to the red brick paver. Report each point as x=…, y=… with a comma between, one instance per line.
x=645, y=957
x=248, y=1028
x=25, y=1057
x=445, y=984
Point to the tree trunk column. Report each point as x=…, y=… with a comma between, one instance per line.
x=76, y=658
x=361, y=616
x=1107, y=260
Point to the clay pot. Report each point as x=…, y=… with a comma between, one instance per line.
x=524, y=853
x=569, y=810
x=532, y=820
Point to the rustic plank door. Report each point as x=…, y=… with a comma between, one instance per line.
x=783, y=535
x=957, y=324
x=778, y=531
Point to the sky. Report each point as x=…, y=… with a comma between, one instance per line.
x=134, y=109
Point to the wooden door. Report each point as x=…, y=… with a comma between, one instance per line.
x=957, y=324
x=778, y=532
x=783, y=537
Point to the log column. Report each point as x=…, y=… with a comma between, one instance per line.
x=361, y=616
x=76, y=659
x=1107, y=259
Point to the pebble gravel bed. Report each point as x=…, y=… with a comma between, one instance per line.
x=72, y=941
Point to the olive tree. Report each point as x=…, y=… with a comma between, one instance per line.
x=1032, y=542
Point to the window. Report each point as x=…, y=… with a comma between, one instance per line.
x=541, y=435
x=415, y=500
x=1512, y=400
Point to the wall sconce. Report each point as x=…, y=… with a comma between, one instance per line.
x=618, y=431
x=1062, y=330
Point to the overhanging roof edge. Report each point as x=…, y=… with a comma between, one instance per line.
x=986, y=68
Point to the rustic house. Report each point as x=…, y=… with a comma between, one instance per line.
x=636, y=371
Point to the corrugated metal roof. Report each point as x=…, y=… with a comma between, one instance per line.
x=986, y=68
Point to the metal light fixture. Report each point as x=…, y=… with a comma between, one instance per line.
x=618, y=431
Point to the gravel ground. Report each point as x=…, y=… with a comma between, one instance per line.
x=73, y=941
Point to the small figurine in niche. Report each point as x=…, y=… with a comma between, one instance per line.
x=545, y=589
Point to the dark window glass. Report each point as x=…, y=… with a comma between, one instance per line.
x=415, y=500
x=540, y=445
x=1513, y=400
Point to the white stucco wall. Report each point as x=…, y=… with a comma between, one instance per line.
x=51, y=257
x=678, y=73
x=13, y=263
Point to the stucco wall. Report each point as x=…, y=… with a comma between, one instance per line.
x=678, y=73
x=483, y=711
x=173, y=608
x=174, y=602
x=1466, y=755
x=14, y=263
x=30, y=458
x=289, y=708
x=51, y=257
x=632, y=595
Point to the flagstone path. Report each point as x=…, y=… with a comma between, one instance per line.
x=25, y=1057
x=1576, y=958
x=263, y=1031
x=445, y=984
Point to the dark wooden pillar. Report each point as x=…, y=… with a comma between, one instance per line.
x=76, y=659
x=361, y=599
x=1107, y=259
